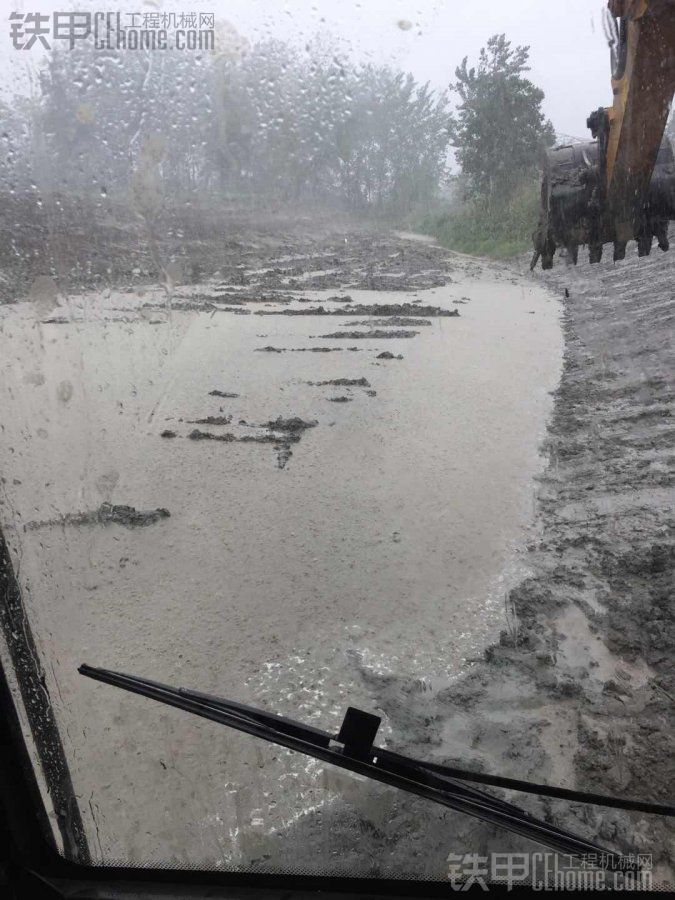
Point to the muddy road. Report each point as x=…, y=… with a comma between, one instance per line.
x=579, y=689
x=303, y=482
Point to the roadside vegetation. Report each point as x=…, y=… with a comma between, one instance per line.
x=498, y=132
x=498, y=226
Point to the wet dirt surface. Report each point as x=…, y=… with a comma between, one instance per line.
x=318, y=553
x=579, y=691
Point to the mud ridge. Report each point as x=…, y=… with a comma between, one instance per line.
x=280, y=433
x=108, y=514
x=374, y=309
x=211, y=420
x=376, y=334
x=394, y=320
x=342, y=382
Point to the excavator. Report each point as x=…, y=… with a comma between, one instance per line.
x=621, y=185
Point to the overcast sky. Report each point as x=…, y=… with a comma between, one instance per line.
x=427, y=37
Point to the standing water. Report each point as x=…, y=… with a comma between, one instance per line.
x=302, y=567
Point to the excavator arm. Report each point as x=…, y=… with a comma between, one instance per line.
x=621, y=185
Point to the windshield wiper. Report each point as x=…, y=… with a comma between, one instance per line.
x=353, y=749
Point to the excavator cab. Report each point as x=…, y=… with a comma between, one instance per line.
x=621, y=185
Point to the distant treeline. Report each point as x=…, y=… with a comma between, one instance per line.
x=268, y=122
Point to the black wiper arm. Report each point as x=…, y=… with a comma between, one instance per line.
x=352, y=748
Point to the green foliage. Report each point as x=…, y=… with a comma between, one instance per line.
x=499, y=226
x=499, y=128
x=393, y=142
x=498, y=131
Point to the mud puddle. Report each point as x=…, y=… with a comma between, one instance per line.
x=378, y=552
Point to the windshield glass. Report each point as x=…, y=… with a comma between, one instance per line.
x=287, y=418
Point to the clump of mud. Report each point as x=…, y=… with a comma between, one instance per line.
x=399, y=309
x=323, y=349
x=280, y=433
x=390, y=322
x=108, y=514
x=270, y=349
x=310, y=311
x=292, y=426
x=387, y=354
x=292, y=429
x=212, y=420
x=229, y=438
x=342, y=382
x=375, y=334
x=388, y=310
x=315, y=349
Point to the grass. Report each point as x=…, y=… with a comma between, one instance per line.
x=499, y=228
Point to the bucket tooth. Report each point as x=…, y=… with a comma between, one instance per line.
x=661, y=234
x=576, y=211
x=619, y=250
x=644, y=243
x=594, y=253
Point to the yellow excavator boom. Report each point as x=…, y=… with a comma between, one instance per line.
x=620, y=186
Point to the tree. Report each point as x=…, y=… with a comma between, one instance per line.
x=268, y=124
x=499, y=128
x=99, y=109
x=393, y=143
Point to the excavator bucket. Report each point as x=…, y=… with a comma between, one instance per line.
x=572, y=213
x=620, y=186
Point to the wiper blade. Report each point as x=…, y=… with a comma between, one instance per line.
x=353, y=749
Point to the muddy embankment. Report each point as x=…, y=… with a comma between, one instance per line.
x=580, y=689
x=588, y=653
